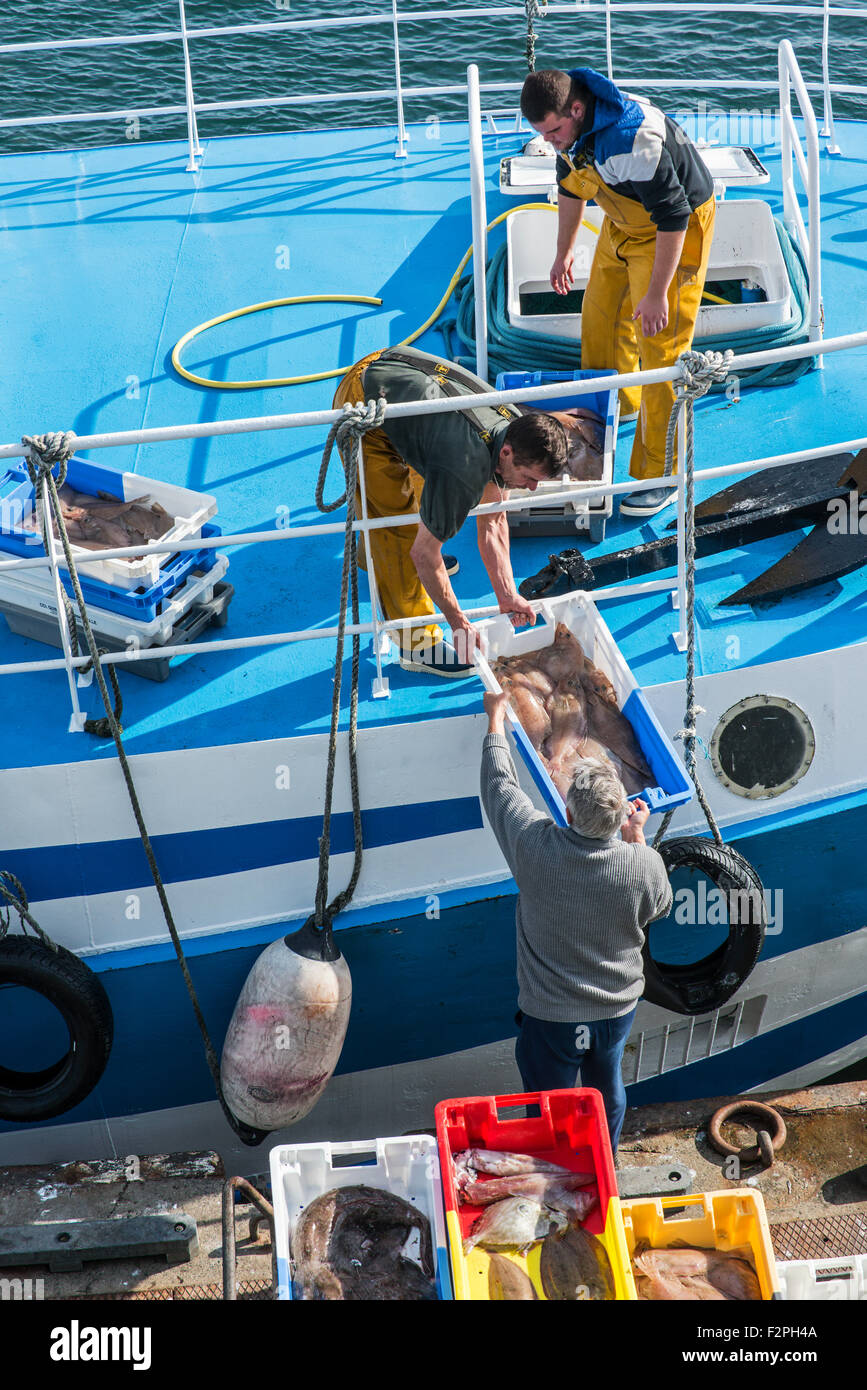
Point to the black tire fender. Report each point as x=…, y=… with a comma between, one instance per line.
x=706, y=984
x=78, y=995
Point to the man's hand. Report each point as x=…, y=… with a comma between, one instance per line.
x=632, y=830
x=496, y=708
x=465, y=638
x=518, y=609
x=653, y=312
x=561, y=277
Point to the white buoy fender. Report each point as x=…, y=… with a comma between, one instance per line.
x=287, y=1032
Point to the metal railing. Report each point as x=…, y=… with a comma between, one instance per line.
x=808, y=239
x=530, y=395
x=394, y=18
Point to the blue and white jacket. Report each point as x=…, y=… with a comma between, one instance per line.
x=638, y=152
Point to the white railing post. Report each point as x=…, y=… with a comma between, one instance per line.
x=608, y=40
x=809, y=238
x=480, y=219
x=192, y=128
x=380, y=684
x=400, y=152
x=827, y=109
x=680, y=636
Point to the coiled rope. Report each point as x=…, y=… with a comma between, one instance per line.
x=44, y=453
x=511, y=348
x=347, y=433
x=700, y=371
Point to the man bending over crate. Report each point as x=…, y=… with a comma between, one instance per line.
x=441, y=466
x=649, y=265
x=586, y=894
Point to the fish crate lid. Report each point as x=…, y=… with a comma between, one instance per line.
x=407, y=1166
x=523, y=174
x=734, y=165
x=581, y=616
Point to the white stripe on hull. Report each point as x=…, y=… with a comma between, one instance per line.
x=435, y=760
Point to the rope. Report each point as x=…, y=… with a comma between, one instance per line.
x=700, y=370
x=14, y=898
x=347, y=434
x=43, y=452
x=533, y=10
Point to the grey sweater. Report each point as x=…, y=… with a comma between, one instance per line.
x=583, y=904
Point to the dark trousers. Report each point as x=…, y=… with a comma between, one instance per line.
x=550, y=1056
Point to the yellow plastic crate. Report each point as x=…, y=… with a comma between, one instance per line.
x=727, y=1220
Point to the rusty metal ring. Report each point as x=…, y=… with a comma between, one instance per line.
x=771, y=1139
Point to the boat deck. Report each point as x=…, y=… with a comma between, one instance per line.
x=112, y=254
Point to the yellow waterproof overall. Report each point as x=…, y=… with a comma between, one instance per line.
x=619, y=279
x=391, y=488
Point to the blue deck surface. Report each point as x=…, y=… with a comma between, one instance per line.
x=112, y=254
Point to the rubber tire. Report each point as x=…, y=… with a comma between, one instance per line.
x=77, y=994
x=706, y=984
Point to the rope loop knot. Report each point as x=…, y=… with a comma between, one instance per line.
x=700, y=371
x=357, y=420
x=44, y=451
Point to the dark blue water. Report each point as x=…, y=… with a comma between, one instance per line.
x=672, y=47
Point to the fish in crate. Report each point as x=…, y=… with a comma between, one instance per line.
x=568, y=708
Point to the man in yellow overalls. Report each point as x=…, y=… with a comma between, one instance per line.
x=649, y=266
x=441, y=465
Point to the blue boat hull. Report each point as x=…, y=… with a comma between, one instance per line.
x=426, y=986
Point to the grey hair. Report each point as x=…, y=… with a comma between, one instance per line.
x=597, y=799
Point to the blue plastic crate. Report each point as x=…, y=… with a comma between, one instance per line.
x=189, y=509
x=146, y=604
x=545, y=513
x=603, y=403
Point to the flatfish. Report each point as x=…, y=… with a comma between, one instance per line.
x=575, y=1267
x=508, y=1283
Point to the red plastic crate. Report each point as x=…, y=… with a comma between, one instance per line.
x=571, y=1129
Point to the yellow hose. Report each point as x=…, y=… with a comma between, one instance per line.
x=327, y=299
x=715, y=299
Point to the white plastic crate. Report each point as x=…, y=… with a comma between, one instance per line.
x=824, y=1281
x=581, y=616
x=744, y=247
x=408, y=1167
x=26, y=590
x=189, y=510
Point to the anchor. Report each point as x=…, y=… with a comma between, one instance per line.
x=823, y=554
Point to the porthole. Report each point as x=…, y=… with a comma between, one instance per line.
x=762, y=746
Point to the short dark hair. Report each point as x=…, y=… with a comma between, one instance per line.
x=538, y=440
x=550, y=91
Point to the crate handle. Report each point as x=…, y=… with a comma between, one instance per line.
x=352, y=1160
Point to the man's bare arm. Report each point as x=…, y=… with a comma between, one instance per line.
x=427, y=556
x=493, y=540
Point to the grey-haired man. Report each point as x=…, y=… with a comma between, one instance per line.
x=587, y=892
